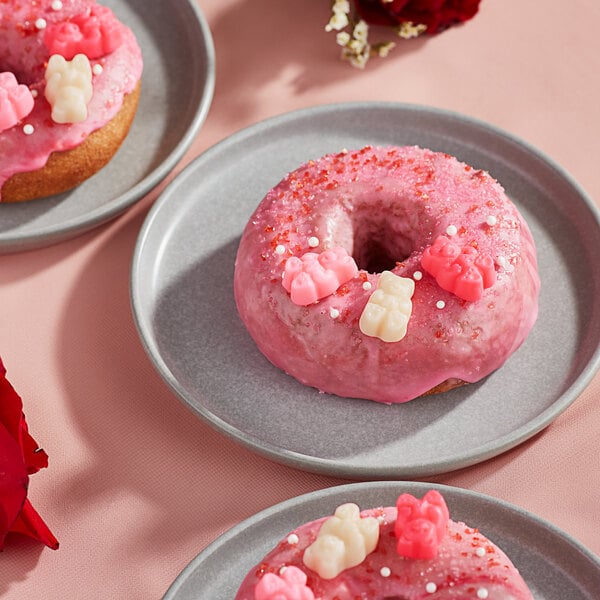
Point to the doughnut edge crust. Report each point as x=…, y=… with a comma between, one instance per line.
x=386, y=206
x=67, y=169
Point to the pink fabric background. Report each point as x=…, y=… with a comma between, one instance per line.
x=137, y=486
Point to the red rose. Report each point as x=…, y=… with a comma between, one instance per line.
x=20, y=457
x=437, y=15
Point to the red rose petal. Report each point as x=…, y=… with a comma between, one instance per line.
x=31, y=524
x=436, y=14
x=35, y=458
x=20, y=456
x=11, y=407
x=13, y=482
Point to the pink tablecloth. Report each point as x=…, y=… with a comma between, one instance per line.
x=137, y=485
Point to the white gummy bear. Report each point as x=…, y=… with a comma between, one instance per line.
x=388, y=310
x=68, y=88
x=344, y=541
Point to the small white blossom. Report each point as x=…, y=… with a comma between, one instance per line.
x=339, y=17
x=408, y=30
x=361, y=31
x=343, y=38
x=385, y=48
x=341, y=6
x=338, y=21
x=358, y=59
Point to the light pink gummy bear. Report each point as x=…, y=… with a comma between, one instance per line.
x=16, y=101
x=290, y=585
x=462, y=271
x=317, y=275
x=94, y=34
x=421, y=524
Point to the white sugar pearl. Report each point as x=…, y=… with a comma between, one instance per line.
x=28, y=129
x=334, y=313
x=440, y=304
x=417, y=275
x=480, y=552
x=293, y=539
x=491, y=220
x=40, y=23
x=451, y=230
x=97, y=69
x=367, y=286
x=385, y=572
x=482, y=593
x=279, y=249
x=431, y=588
x=313, y=241
x=56, y=5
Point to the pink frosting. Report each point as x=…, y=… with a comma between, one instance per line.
x=24, y=53
x=467, y=566
x=385, y=206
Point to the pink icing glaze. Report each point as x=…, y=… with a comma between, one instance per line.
x=23, y=52
x=462, y=271
x=16, y=101
x=94, y=33
x=385, y=206
x=314, y=275
x=289, y=585
x=466, y=564
x=420, y=524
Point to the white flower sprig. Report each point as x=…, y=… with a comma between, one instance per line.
x=353, y=35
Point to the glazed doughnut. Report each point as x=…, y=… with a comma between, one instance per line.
x=409, y=551
x=69, y=88
x=386, y=274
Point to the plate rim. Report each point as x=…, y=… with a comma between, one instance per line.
x=331, y=466
x=55, y=233
x=351, y=490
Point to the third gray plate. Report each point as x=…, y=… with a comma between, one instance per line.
x=182, y=297
x=553, y=564
x=177, y=89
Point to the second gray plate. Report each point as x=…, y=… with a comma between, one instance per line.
x=182, y=298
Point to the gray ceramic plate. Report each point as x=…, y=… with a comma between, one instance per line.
x=177, y=89
x=553, y=564
x=184, y=307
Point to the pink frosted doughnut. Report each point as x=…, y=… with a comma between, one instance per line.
x=371, y=558
x=445, y=287
x=44, y=152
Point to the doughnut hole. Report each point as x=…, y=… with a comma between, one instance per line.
x=380, y=243
x=27, y=63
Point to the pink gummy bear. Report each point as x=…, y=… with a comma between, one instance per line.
x=16, y=101
x=460, y=270
x=290, y=585
x=94, y=34
x=315, y=276
x=421, y=524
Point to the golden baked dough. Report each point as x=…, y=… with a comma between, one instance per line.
x=65, y=170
